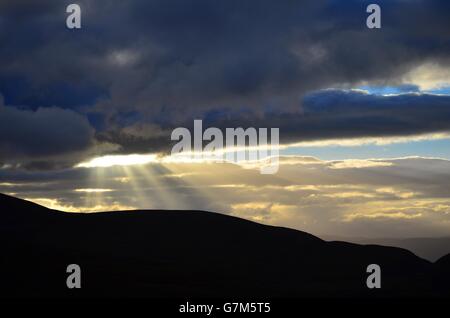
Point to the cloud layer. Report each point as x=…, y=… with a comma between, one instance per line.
x=359, y=198
x=139, y=68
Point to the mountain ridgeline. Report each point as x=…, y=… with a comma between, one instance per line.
x=194, y=254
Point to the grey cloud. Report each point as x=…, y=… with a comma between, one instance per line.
x=198, y=55
x=326, y=114
x=44, y=133
x=170, y=62
x=337, y=114
x=340, y=114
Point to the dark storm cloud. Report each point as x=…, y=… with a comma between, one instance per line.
x=345, y=114
x=180, y=53
x=47, y=132
x=172, y=61
x=336, y=114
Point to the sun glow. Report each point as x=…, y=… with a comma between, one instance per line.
x=93, y=190
x=118, y=160
x=141, y=178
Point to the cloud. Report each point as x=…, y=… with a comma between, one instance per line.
x=44, y=133
x=351, y=164
x=378, y=141
x=354, y=113
x=410, y=197
x=56, y=205
x=395, y=215
x=429, y=76
x=163, y=64
x=352, y=117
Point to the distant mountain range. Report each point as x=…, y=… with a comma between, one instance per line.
x=430, y=248
x=193, y=253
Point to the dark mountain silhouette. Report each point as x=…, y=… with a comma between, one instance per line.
x=430, y=248
x=193, y=253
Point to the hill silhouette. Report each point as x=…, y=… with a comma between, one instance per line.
x=430, y=248
x=193, y=253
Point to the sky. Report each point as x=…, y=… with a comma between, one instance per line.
x=363, y=114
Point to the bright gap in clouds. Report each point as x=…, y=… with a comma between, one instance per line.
x=218, y=156
x=428, y=145
x=439, y=148
x=93, y=190
x=118, y=160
